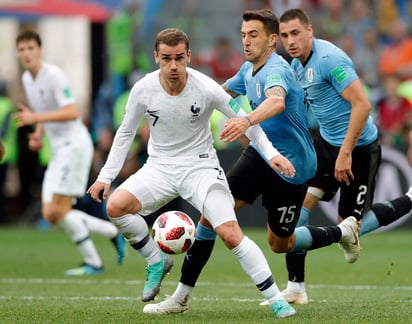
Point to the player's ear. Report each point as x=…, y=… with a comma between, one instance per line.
x=189, y=55
x=156, y=57
x=272, y=39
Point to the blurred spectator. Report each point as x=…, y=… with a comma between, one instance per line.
x=396, y=57
x=8, y=144
x=220, y=63
x=347, y=43
x=102, y=110
x=388, y=11
x=330, y=20
x=408, y=140
x=359, y=20
x=366, y=58
x=124, y=53
x=280, y=6
x=256, y=4
x=392, y=113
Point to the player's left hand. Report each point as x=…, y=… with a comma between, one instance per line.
x=25, y=116
x=234, y=128
x=96, y=189
x=283, y=166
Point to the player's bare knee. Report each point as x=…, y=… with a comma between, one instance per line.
x=279, y=245
x=278, y=249
x=122, y=202
x=53, y=213
x=230, y=233
x=118, y=208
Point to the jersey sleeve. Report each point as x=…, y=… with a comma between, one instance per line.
x=236, y=83
x=123, y=138
x=230, y=108
x=275, y=78
x=61, y=89
x=338, y=69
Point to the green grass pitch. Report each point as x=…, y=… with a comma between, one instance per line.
x=375, y=289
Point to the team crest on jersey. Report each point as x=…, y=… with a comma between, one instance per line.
x=310, y=74
x=195, y=113
x=259, y=94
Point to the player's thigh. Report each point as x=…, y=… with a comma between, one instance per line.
x=205, y=187
x=283, y=202
x=152, y=185
x=358, y=196
x=57, y=208
x=67, y=172
x=247, y=176
x=325, y=173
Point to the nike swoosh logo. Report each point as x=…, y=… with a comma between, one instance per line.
x=355, y=237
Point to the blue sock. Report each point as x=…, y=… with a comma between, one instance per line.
x=304, y=217
x=303, y=239
x=369, y=222
x=204, y=233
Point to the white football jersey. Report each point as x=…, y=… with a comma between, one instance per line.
x=49, y=91
x=179, y=125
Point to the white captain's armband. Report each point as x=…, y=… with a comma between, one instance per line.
x=234, y=105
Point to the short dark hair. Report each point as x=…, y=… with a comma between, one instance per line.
x=267, y=17
x=28, y=35
x=171, y=37
x=295, y=13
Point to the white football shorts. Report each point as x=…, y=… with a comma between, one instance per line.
x=159, y=182
x=68, y=170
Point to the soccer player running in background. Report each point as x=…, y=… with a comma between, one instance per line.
x=347, y=146
x=54, y=112
x=178, y=101
x=276, y=98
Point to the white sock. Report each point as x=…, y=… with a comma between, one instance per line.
x=182, y=293
x=256, y=267
x=79, y=234
x=297, y=287
x=136, y=232
x=97, y=225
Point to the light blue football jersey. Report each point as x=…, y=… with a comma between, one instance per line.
x=326, y=74
x=288, y=131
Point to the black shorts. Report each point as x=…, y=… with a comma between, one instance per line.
x=356, y=198
x=251, y=177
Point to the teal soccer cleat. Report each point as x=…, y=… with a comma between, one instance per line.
x=282, y=309
x=155, y=274
x=84, y=270
x=119, y=243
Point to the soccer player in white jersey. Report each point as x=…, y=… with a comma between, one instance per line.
x=178, y=101
x=54, y=112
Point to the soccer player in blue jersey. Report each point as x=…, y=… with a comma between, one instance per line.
x=278, y=106
x=347, y=147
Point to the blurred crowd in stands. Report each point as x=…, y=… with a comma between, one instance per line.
x=376, y=34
